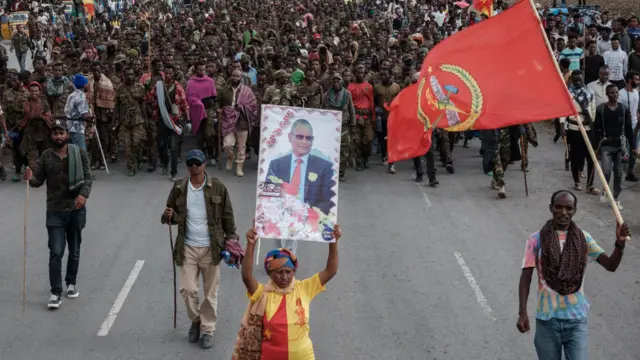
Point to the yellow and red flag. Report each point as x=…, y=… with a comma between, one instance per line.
x=480, y=79
x=484, y=7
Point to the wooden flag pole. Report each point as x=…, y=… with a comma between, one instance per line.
x=24, y=254
x=524, y=167
x=596, y=164
x=173, y=265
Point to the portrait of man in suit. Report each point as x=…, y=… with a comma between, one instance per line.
x=311, y=175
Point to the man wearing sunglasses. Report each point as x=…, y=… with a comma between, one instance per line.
x=199, y=204
x=310, y=176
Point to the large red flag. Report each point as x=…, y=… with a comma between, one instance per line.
x=482, y=78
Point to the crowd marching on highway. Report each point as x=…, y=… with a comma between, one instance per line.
x=128, y=81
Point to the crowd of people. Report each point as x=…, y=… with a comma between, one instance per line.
x=145, y=76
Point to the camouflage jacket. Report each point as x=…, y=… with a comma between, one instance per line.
x=276, y=95
x=311, y=95
x=13, y=105
x=55, y=172
x=219, y=215
x=128, y=111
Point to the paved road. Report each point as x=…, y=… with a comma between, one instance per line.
x=425, y=273
x=409, y=254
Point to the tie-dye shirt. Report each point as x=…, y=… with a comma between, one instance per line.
x=551, y=304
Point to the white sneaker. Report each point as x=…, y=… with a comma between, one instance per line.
x=392, y=169
x=54, y=301
x=603, y=197
x=72, y=292
x=619, y=205
x=212, y=162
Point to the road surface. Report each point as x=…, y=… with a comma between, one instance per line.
x=424, y=273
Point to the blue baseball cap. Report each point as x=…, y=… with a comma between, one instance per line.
x=196, y=154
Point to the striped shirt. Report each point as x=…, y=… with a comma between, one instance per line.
x=617, y=61
x=574, y=55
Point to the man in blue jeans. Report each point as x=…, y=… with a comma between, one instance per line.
x=559, y=252
x=65, y=168
x=77, y=111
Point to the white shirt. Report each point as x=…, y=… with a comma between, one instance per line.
x=617, y=61
x=599, y=91
x=197, y=232
x=630, y=100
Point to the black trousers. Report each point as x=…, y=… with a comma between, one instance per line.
x=578, y=153
x=431, y=164
x=168, y=147
x=64, y=227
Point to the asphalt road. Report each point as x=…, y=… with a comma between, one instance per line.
x=424, y=274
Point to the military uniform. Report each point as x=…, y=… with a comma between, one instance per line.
x=35, y=137
x=128, y=117
x=348, y=123
x=501, y=158
x=13, y=107
x=279, y=95
x=311, y=94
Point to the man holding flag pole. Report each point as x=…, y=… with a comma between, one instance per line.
x=481, y=102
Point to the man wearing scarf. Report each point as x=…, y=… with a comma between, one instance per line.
x=102, y=100
x=57, y=89
x=238, y=110
x=559, y=252
x=201, y=97
x=338, y=98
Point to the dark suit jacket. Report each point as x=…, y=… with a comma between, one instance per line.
x=316, y=193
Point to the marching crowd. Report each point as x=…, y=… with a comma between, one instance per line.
x=146, y=76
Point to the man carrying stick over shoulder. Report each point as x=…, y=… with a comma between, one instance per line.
x=559, y=252
x=65, y=168
x=200, y=205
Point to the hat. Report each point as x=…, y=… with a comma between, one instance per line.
x=79, y=81
x=195, y=154
x=280, y=74
x=58, y=124
x=336, y=76
x=13, y=71
x=120, y=58
x=423, y=50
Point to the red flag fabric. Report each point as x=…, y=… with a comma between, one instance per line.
x=483, y=78
x=407, y=137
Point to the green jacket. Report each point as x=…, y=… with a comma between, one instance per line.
x=219, y=214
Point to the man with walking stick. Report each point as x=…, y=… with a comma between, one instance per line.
x=200, y=205
x=65, y=169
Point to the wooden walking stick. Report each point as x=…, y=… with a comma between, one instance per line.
x=173, y=265
x=524, y=166
x=24, y=254
x=220, y=152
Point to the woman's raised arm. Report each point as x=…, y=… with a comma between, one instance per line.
x=247, y=264
x=332, y=261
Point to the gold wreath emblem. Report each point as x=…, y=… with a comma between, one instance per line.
x=476, y=100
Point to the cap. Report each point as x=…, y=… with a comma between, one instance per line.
x=336, y=76
x=280, y=74
x=59, y=124
x=13, y=71
x=195, y=154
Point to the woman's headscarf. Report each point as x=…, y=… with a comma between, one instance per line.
x=278, y=258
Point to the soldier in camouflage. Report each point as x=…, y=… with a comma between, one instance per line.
x=128, y=120
x=310, y=91
x=338, y=98
x=13, y=101
x=281, y=92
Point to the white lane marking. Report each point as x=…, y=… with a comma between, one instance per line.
x=474, y=286
x=424, y=195
x=122, y=296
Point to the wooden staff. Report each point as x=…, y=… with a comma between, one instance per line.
x=24, y=254
x=524, y=166
x=596, y=164
x=173, y=265
x=220, y=152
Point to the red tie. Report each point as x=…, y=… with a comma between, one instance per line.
x=295, y=179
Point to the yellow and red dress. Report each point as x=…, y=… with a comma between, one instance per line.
x=286, y=321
